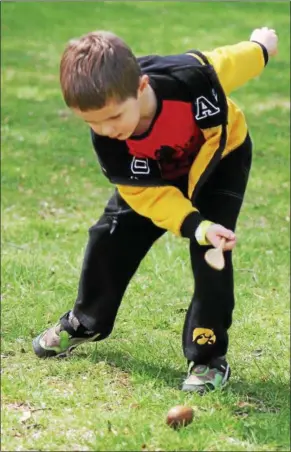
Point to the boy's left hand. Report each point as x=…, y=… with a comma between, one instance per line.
x=216, y=232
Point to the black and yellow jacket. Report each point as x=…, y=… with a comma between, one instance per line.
x=195, y=125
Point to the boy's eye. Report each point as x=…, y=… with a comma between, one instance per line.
x=116, y=116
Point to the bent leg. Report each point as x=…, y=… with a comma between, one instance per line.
x=117, y=244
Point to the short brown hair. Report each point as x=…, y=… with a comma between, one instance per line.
x=98, y=67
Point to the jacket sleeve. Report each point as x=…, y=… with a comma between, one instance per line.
x=236, y=64
x=167, y=207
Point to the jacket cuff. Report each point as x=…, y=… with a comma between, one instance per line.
x=190, y=224
x=265, y=52
x=200, y=233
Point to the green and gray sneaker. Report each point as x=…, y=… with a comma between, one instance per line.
x=57, y=341
x=202, y=378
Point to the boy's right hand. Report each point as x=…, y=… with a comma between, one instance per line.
x=216, y=232
x=267, y=37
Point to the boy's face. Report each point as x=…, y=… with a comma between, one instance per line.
x=115, y=120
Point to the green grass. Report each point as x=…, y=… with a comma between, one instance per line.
x=115, y=395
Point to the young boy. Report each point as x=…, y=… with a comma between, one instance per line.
x=178, y=151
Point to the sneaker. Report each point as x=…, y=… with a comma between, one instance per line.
x=202, y=378
x=57, y=341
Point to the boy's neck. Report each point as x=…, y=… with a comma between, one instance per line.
x=148, y=108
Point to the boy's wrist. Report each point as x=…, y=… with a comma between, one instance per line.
x=190, y=224
x=200, y=233
x=264, y=49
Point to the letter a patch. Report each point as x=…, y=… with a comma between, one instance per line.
x=205, y=108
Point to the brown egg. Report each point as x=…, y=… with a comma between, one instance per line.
x=179, y=416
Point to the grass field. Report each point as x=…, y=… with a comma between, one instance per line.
x=115, y=395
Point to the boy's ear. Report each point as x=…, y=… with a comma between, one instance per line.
x=143, y=83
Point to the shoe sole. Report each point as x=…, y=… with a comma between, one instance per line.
x=202, y=389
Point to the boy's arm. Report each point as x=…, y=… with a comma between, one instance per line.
x=236, y=64
x=170, y=210
x=167, y=207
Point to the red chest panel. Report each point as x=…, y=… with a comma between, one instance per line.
x=174, y=140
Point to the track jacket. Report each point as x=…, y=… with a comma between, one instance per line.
x=195, y=125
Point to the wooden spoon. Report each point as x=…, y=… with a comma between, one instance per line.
x=215, y=258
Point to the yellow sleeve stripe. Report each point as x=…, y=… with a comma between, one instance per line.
x=204, y=157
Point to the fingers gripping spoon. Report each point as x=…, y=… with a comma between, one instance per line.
x=214, y=257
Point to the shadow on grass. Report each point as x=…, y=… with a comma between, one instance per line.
x=163, y=374
x=270, y=396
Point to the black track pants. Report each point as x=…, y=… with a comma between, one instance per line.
x=121, y=238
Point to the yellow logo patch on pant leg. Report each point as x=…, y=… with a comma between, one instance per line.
x=204, y=336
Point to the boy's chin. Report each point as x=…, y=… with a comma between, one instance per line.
x=124, y=136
